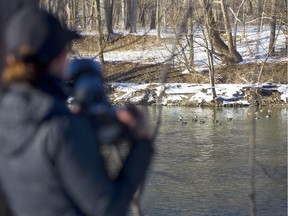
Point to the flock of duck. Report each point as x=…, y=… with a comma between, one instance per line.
x=195, y=119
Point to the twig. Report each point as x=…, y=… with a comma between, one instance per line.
x=165, y=75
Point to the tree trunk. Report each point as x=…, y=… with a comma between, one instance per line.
x=60, y=12
x=68, y=15
x=212, y=72
x=272, y=28
x=260, y=11
x=158, y=18
x=105, y=11
x=142, y=17
x=74, y=13
x=190, y=30
x=286, y=23
x=153, y=17
x=123, y=13
x=208, y=40
x=228, y=56
x=133, y=16
x=164, y=17
x=84, y=19
x=99, y=29
x=50, y=6
x=232, y=51
x=128, y=12
x=249, y=7
x=111, y=15
x=236, y=23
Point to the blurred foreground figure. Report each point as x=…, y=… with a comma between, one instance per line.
x=88, y=95
x=50, y=161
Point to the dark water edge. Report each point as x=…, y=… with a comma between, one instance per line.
x=202, y=168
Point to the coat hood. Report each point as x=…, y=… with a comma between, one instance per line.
x=23, y=107
x=21, y=111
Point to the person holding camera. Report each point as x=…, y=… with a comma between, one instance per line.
x=50, y=160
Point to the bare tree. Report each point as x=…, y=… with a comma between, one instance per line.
x=272, y=28
x=228, y=54
x=133, y=16
x=123, y=13
x=99, y=29
x=158, y=20
x=105, y=10
x=128, y=12
x=233, y=54
x=259, y=15
x=153, y=16
x=190, y=32
x=208, y=39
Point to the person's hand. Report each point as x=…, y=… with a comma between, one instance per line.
x=135, y=120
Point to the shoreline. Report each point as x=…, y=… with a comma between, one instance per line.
x=199, y=95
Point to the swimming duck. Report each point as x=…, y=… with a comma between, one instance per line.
x=180, y=118
x=202, y=121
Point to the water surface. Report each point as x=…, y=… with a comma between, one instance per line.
x=202, y=169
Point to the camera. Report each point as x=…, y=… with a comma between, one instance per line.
x=86, y=83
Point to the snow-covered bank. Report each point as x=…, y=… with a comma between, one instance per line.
x=197, y=94
x=253, y=47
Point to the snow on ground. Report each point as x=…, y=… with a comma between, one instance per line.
x=185, y=94
x=247, y=45
x=253, y=48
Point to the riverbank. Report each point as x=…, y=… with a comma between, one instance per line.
x=137, y=83
x=186, y=94
x=135, y=63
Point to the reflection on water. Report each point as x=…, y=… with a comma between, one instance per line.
x=202, y=168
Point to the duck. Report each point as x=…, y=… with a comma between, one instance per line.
x=229, y=119
x=180, y=118
x=202, y=121
x=268, y=116
x=194, y=120
x=184, y=123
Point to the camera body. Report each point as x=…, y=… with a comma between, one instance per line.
x=85, y=79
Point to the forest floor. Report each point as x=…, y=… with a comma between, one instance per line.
x=135, y=72
x=117, y=71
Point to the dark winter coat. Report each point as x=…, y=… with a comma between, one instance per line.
x=50, y=164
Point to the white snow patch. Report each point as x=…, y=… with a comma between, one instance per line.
x=177, y=92
x=284, y=90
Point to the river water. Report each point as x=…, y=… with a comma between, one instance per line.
x=202, y=168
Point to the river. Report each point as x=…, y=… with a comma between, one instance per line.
x=202, y=169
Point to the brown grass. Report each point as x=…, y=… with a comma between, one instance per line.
x=139, y=73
